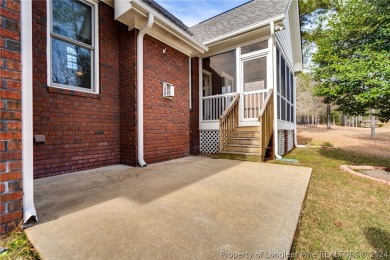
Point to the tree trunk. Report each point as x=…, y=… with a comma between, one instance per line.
x=372, y=123
x=328, y=117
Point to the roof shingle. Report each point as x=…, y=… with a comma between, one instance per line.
x=161, y=10
x=240, y=17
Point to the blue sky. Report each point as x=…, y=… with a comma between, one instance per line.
x=192, y=12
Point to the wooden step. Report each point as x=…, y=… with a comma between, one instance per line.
x=245, y=134
x=247, y=128
x=243, y=141
x=253, y=157
x=242, y=148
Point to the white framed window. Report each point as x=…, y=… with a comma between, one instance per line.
x=72, y=45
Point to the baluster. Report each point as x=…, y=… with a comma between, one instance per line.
x=206, y=109
x=214, y=108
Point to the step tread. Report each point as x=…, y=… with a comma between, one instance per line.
x=243, y=138
x=244, y=145
x=254, y=157
x=243, y=153
x=249, y=131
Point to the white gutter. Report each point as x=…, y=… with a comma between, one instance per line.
x=177, y=31
x=275, y=75
x=140, y=89
x=244, y=30
x=29, y=211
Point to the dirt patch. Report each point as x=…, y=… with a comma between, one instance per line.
x=353, y=139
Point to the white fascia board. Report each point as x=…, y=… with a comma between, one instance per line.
x=163, y=22
x=244, y=30
x=295, y=32
x=109, y=2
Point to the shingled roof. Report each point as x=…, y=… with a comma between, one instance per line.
x=240, y=17
x=161, y=10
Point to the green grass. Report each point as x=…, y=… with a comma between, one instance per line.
x=342, y=212
x=318, y=143
x=18, y=247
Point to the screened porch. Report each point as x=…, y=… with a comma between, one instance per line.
x=242, y=71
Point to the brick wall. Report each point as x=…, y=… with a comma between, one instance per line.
x=128, y=98
x=82, y=130
x=194, y=114
x=166, y=121
x=10, y=114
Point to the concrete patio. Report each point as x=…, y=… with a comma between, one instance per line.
x=191, y=208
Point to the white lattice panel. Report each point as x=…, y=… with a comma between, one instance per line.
x=209, y=141
x=290, y=140
x=281, y=142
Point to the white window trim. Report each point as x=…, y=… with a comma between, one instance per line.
x=95, y=59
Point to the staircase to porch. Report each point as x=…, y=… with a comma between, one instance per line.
x=243, y=144
x=248, y=143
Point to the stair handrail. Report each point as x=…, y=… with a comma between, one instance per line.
x=266, y=119
x=228, y=122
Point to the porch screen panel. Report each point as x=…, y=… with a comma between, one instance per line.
x=285, y=89
x=254, y=47
x=254, y=81
x=219, y=84
x=222, y=71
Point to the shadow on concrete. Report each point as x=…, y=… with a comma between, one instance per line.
x=380, y=240
x=64, y=194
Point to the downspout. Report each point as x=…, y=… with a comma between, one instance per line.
x=29, y=211
x=190, y=82
x=295, y=112
x=275, y=75
x=140, y=89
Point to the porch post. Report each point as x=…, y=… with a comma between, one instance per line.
x=275, y=75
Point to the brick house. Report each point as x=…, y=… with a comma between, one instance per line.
x=125, y=82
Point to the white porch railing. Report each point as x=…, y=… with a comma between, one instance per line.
x=253, y=102
x=214, y=106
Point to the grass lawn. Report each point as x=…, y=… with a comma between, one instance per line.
x=18, y=247
x=342, y=212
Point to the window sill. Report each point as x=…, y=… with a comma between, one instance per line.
x=72, y=92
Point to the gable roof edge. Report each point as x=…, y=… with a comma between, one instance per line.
x=244, y=30
x=180, y=33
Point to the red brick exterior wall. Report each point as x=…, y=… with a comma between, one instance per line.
x=128, y=98
x=166, y=121
x=10, y=113
x=194, y=114
x=82, y=130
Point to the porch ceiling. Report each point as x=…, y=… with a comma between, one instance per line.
x=191, y=208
